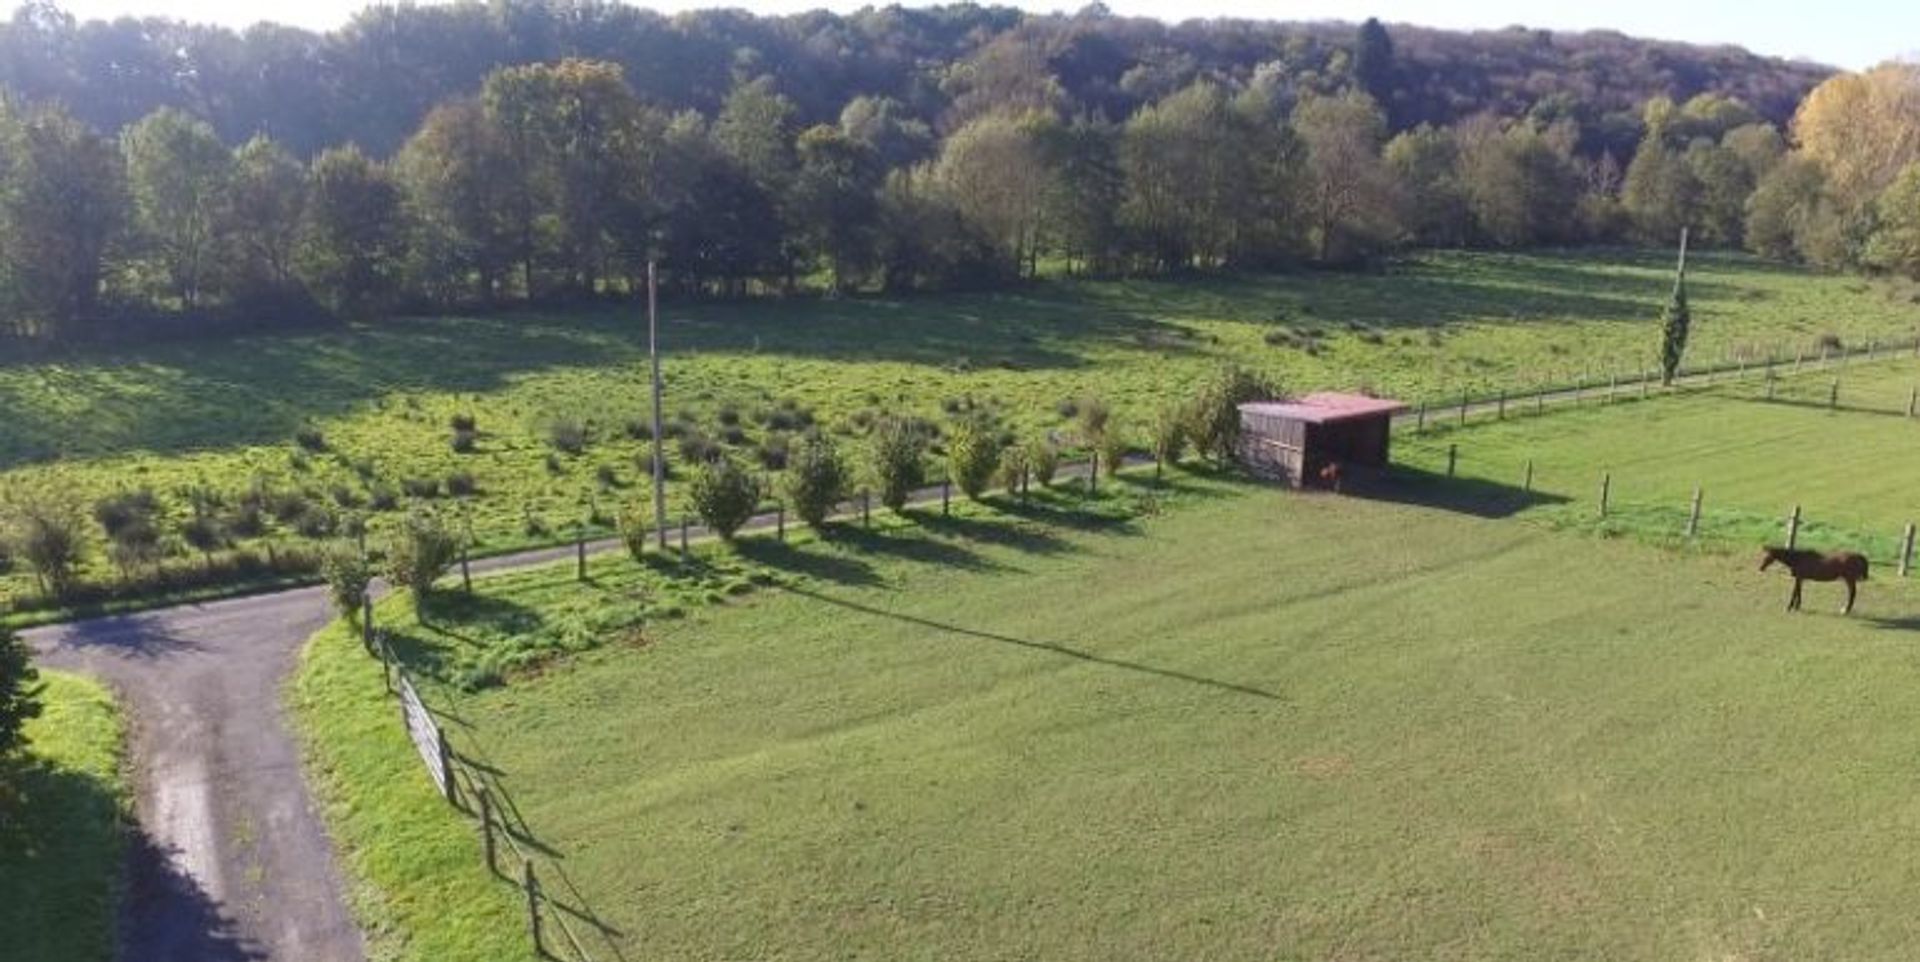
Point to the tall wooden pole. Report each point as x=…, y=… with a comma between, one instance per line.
x=659, y=425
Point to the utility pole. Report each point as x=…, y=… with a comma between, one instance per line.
x=659, y=426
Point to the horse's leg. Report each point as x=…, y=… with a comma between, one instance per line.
x=1793, y=601
x=1850, y=594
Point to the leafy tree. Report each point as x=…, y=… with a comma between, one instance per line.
x=1895, y=244
x=816, y=480
x=895, y=460
x=1043, y=459
x=994, y=173
x=1213, y=415
x=20, y=693
x=1660, y=192
x=724, y=495
x=1169, y=437
x=1519, y=180
x=62, y=203
x=457, y=173
x=833, y=201
x=1373, y=66
x=1348, y=197
x=1725, y=182
x=347, y=574
x=1016, y=466
x=1786, y=205
x=419, y=554
x=1863, y=129
x=1675, y=322
x=1424, y=162
x=180, y=177
x=888, y=130
x=266, y=196
x=973, y=455
x=351, y=237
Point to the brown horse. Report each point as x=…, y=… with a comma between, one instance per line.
x=1814, y=566
x=1330, y=476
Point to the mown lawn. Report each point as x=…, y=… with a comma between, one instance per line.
x=62, y=816
x=1251, y=725
x=1849, y=467
x=225, y=416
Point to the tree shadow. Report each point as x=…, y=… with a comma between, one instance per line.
x=1815, y=405
x=1050, y=647
x=167, y=917
x=917, y=548
x=143, y=637
x=1017, y=534
x=1477, y=497
x=60, y=861
x=815, y=564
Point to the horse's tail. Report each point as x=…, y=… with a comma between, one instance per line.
x=1861, y=562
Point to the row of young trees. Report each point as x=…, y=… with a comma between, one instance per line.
x=556, y=181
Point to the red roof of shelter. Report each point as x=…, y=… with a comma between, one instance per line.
x=1326, y=407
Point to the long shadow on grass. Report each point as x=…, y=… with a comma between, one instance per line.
x=1477, y=497
x=1050, y=647
x=1017, y=535
x=818, y=565
x=58, y=867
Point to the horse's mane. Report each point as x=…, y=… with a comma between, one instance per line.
x=1790, y=554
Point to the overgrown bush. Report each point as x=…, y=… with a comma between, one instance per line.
x=465, y=441
x=774, y=452
x=973, y=454
x=463, y=422
x=1213, y=416
x=894, y=459
x=382, y=497
x=567, y=435
x=697, y=448
x=606, y=477
x=48, y=537
x=724, y=496
x=816, y=480
x=461, y=484
x=125, y=510
x=316, y=523
x=419, y=553
x=1094, y=415
x=1169, y=436
x=1113, y=448
x=1043, y=460
x=635, y=528
x=1016, y=465
x=640, y=429
x=420, y=487
x=347, y=574
x=309, y=438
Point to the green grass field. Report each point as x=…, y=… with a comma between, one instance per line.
x=226, y=415
x=1249, y=724
x=61, y=829
x=1849, y=467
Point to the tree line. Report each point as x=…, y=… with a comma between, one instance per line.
x=559, y=180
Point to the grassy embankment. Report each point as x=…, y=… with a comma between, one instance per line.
x=62, y=829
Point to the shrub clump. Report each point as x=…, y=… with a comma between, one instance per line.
x=1169, y=436
x=894, y=459
x=567, y=435
x=461, y=484
x=724, y=496
x=418, y=554
x=310, y=439
x=347, y=575
x=973, y=455
x=1112, y=448
x=816, y=480
x=1043, y=461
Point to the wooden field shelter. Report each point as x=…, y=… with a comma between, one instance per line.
x=1291, y=441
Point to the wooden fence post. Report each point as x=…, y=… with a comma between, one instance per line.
x=1502, y=410
x=532, y=887
x=1693, y=514
x=1770, y=383
x=1093, y=473
x=1540, y=401
x=1613, y=385
x=1913, y=401
x=1798, y=352
x=488, y=845
x=580, y=555
x=1793, y=528
x=446, y=767
x=466, y=569
x=1833, y=395
x=1606, y=492
x=1453, y=457
x=1420, y=419
x=866, y=508
x=1463, y=407
x=1906, y=551
x=780, y=521
x=684, y=524
x=946, y=497
x=366, y=619
x=1526, y=485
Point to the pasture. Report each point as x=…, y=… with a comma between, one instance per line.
x=1230, y=722
x=318, y=428
x=62, y=837
x=1848, y=460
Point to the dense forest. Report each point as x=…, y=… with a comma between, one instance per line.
x=159, y=177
